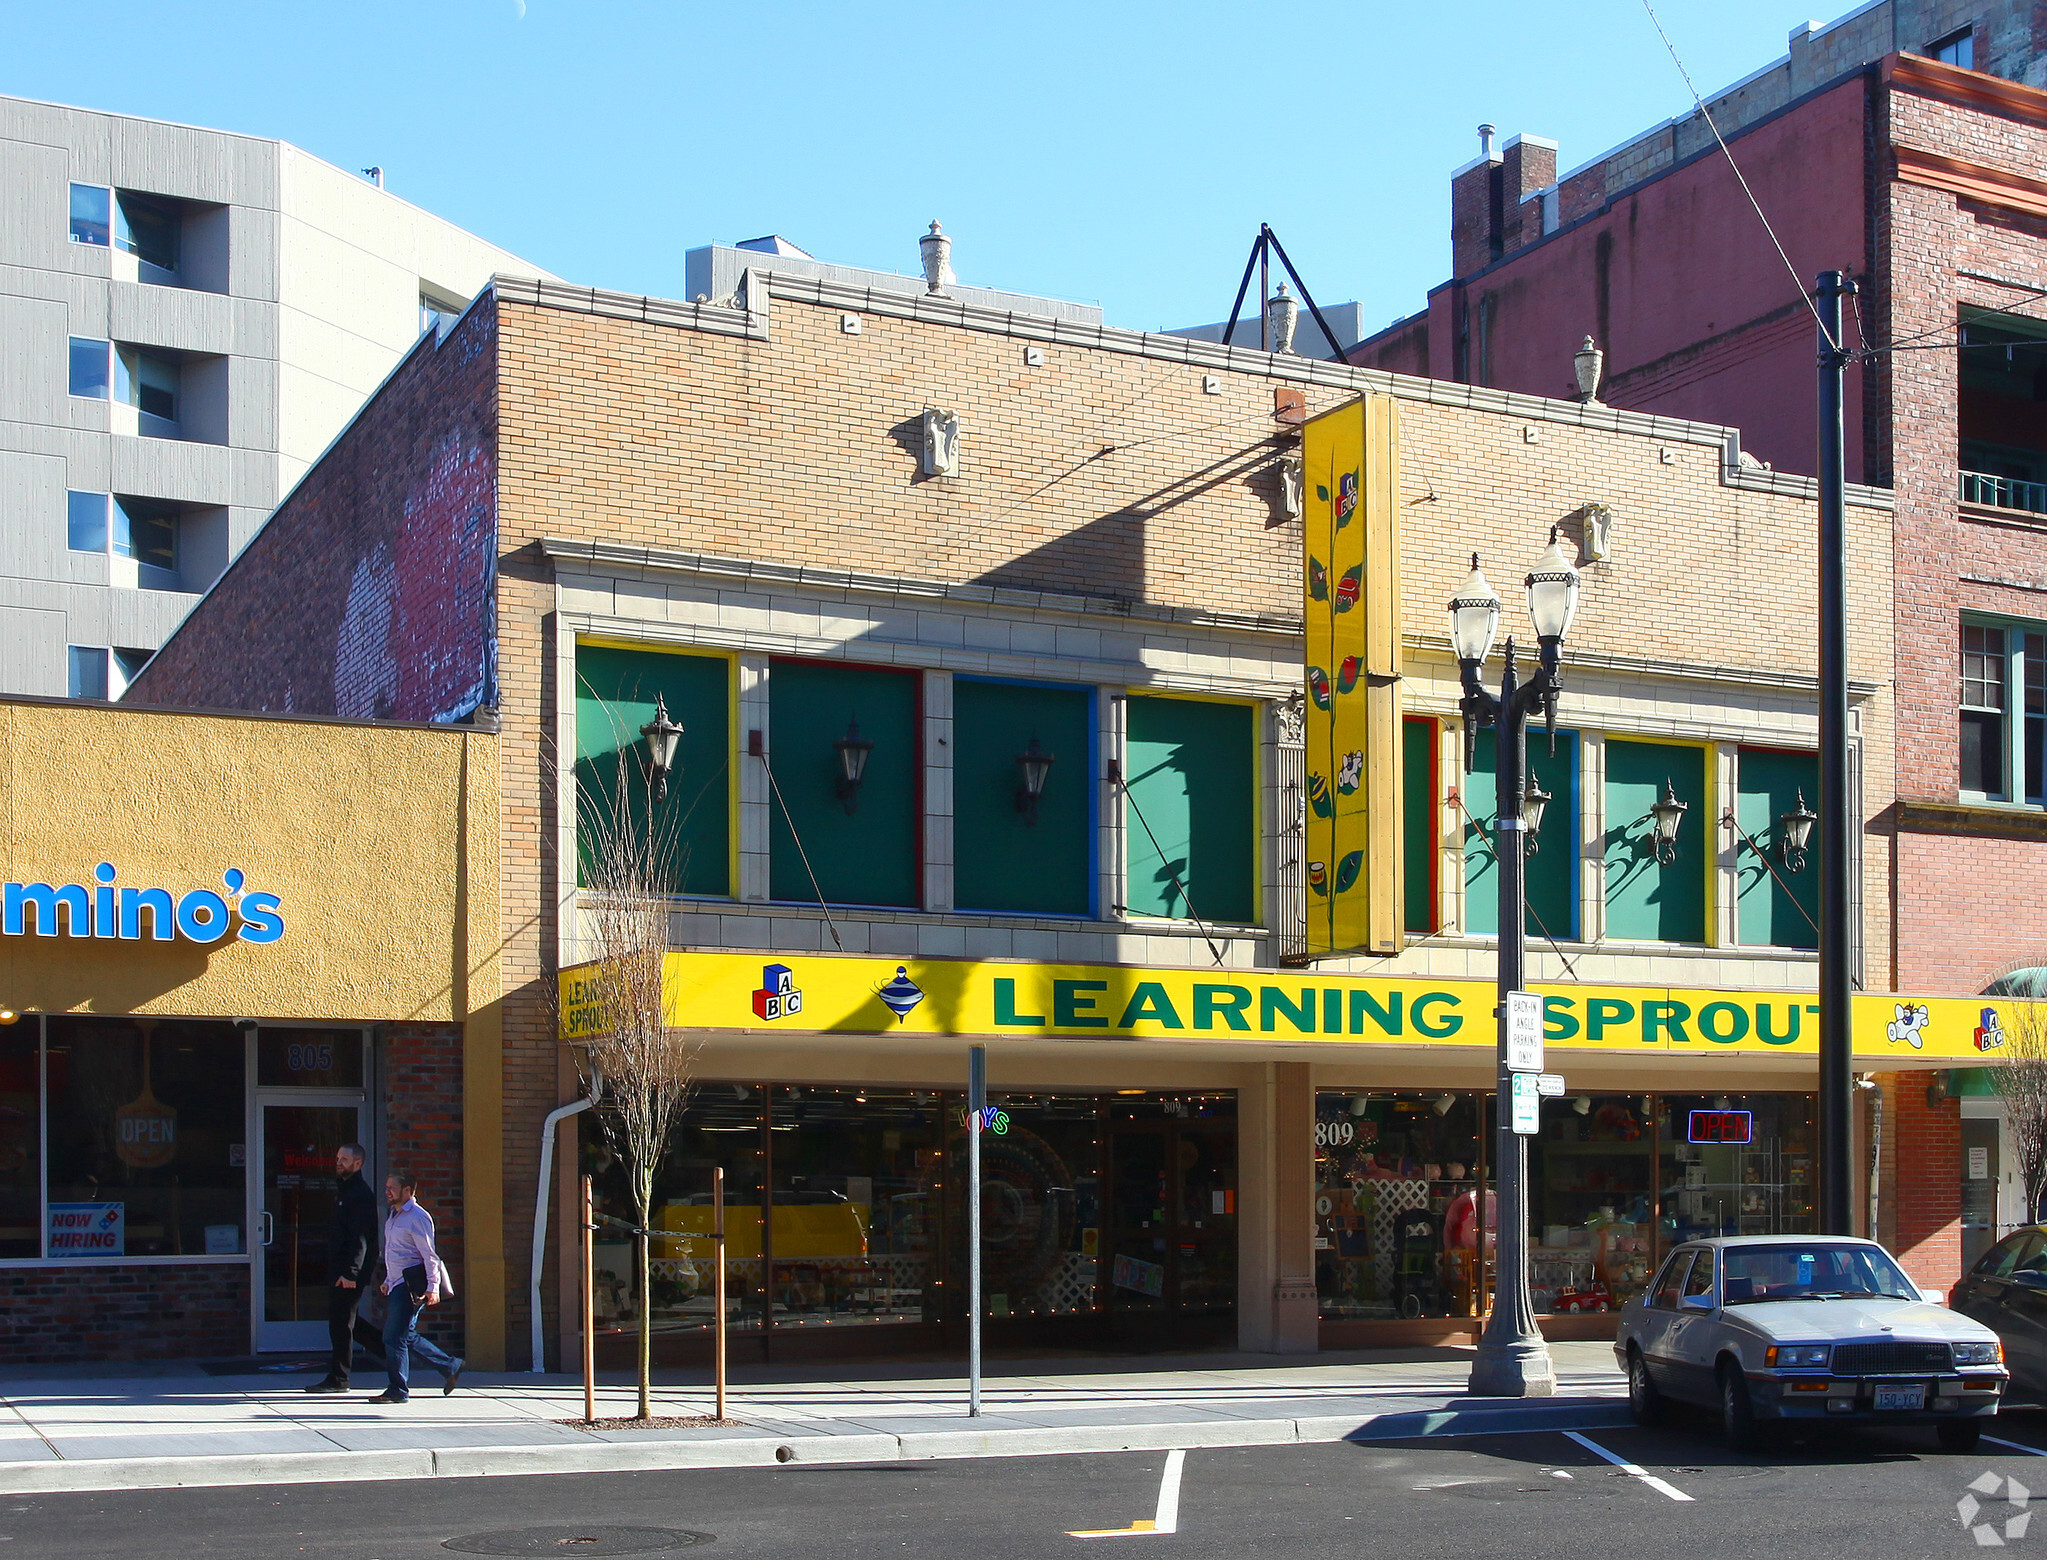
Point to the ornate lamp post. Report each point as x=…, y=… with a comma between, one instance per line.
x=1512, y=1358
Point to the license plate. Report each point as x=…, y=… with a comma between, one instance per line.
x=1901, y=1397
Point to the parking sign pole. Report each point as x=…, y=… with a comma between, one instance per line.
x=977, y=1108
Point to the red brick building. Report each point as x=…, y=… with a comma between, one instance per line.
x=1902, y=144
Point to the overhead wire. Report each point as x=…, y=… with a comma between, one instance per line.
x=1742, y=179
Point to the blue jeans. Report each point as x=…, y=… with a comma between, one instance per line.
x=402, y=1338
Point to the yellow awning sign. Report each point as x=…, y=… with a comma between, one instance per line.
x=794, y=993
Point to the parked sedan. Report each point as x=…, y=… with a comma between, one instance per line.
x=2007, y=1292
x=1794, y=1327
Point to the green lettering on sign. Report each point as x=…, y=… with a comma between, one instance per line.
x=1272, y=1002
x=1723, y=1022
x=1149, y=1001
x=1659, y=1016
x=1005, y=1007
x=1436, y=1028
x=1225, y=1002
x=1073, y=1004
x=1558, y=1021
x=1387, y=1017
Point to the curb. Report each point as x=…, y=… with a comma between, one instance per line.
x=472, y=1462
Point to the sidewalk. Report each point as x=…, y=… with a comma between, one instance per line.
x=89, y=1428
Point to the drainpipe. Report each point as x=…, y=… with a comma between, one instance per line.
x=554, y=1119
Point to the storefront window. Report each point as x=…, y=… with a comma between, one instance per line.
x=857, y=1174
x=146, y=1133
x=1397, y=1209
x=21, y=1193
x=1041, y=1205
x=1591, y=1202
x=1736, y=1164
x=722, y=1126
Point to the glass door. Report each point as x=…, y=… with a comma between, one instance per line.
x=298, y=1192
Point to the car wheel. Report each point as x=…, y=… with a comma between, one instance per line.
x=1645, y=1403
x=1960, y=1436
x=1737, y=1414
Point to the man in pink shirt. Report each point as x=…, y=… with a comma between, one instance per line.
x=414, y=1278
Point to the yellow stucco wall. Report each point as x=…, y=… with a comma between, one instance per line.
x=369, y=835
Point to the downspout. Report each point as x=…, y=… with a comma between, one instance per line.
x=554, y=1119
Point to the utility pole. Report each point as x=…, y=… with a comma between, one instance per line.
x=977, y=1108
x=1837, y=1078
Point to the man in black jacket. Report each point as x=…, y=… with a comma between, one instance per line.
x=352, y=1258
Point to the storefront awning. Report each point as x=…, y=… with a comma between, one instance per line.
x=773, y=995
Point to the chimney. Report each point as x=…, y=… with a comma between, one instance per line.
x=1528, y=165
x=1474, y=210
x=1486, y=216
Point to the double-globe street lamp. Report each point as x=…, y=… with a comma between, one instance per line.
x=1512, y=1358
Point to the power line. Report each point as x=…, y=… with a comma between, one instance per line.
x=1706, y=114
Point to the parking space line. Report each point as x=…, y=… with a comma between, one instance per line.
x=1659, y=1485
x=2017, y=1446
x=1165, y=1519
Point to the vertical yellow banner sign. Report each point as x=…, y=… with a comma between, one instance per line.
x=1351, y=586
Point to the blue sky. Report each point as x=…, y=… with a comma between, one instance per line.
x=1120, y=153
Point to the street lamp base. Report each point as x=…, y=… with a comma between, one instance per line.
x=1513, y=1368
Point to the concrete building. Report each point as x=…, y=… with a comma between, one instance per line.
x=187, y=317
x=1903, y=144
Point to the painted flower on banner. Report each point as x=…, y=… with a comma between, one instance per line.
x=1318, y=877
x=1347, y=674
x=1318, y=687
x=1319, y=797
x=1348, y=587
x=1352, y=772
x=1318, y=579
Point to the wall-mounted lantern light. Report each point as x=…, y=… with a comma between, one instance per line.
x=852, y=749
x=1794, y=829
x=1668, y=814
x=1533, y=800
x=660, y=734
x=1033, y=765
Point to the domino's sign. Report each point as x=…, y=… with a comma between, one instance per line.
x=118, y=912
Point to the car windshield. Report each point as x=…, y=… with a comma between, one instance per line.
x=1816, y=1270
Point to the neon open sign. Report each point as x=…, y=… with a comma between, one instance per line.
x=1721, y=1126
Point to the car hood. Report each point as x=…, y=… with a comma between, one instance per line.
x=1849, y=1321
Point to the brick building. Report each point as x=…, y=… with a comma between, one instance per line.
x=1902, y=144
x=821, y=514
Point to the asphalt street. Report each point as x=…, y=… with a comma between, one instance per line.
x=1543, y=1495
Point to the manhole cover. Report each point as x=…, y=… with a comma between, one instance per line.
x=586, y=1540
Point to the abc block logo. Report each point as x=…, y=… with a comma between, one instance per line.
x=778, y=996
x=1992, y=1534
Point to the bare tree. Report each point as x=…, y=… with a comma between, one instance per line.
x=2021, y=1080
x=630, y=870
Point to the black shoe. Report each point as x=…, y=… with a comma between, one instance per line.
x=454, y=1376
x=329, y=1385
x=386, y=1396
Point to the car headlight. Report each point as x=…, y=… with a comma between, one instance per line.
x=1979, y=1354
x=1798, y=1356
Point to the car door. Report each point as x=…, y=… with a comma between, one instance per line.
x=1981, y=1292
x=1658, y=1313
x=2021, y=1316
x=1695, y=1334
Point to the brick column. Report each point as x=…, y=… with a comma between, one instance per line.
x=1920, y=1216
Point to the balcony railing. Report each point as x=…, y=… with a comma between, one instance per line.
x=1980, y=487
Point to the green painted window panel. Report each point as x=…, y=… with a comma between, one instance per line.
x=868, y=857
x=1646, y=901
x=1000, y=862
x=615, y=692
x=1552, y=871
x=1767, y=787
x=1193, y=775
x=1418, y=822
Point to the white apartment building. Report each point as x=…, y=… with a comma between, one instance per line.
x=187, y=317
